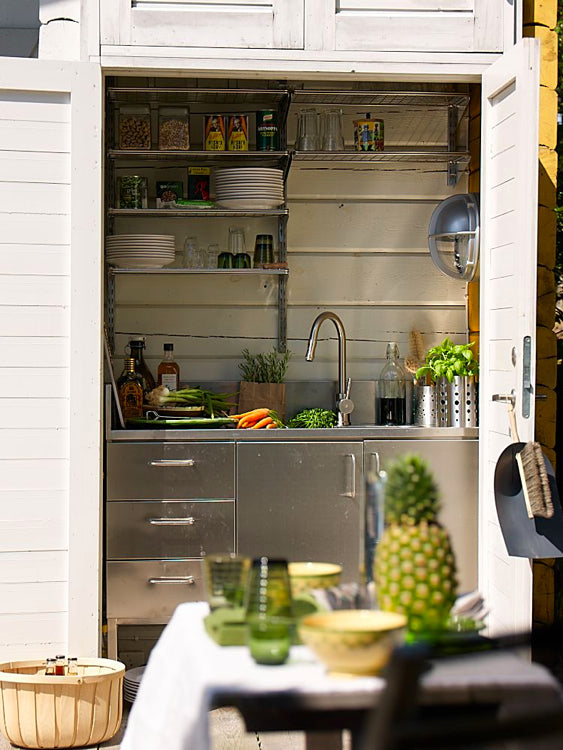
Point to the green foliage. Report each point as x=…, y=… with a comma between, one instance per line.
x=313, y=418
x=264, y=368
x=448, y=360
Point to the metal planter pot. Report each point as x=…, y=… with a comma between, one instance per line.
x=424, y=406
x=456, y=402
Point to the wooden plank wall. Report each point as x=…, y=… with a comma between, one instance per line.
x=357, y=245
x=34, y=372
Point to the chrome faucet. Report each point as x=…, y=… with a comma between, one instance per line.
x=344, y=404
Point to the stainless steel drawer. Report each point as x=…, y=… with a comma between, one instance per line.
x=152, y=589
x=155, y=471
x=170, y=528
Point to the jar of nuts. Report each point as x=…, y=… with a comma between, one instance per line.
x=173, y=129
x=135, y=127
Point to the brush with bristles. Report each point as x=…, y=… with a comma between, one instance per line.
x=416, y=357
x=533, y=475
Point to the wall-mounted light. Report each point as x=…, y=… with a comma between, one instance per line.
x=453, y=236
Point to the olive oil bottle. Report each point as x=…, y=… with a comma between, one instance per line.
x=130, y=390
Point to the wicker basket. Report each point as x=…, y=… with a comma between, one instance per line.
x=69, y=711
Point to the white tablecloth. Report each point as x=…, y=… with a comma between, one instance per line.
x=186, y=666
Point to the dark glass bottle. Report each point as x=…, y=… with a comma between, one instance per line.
x=136, y=347
x=169, y=370
x=130, y=390
x=391, y=390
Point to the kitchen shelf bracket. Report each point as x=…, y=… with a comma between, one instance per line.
x=453, y=173
x=110, y=309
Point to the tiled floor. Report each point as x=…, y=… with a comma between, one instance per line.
x=227, y=733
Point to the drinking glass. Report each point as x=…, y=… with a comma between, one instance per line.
x=263, y=250
x=307, y=130
x=331, y=128
x=225, y=580
x=269, y=611
x=225, y=260
x=189, y=252
x=213, y=252
x=242, y=260
x=236, y=241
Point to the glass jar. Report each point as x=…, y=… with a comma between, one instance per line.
x=173, y=129
x=135, y=127
x=132, y=191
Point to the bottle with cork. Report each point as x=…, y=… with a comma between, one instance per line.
x=168, y=372
x=130, y=390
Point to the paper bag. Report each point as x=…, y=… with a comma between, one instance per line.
x=258, y=395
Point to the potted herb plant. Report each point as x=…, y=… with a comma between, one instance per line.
x=262, y=383
x=452, y=370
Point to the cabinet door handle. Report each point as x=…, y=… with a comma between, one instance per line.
x=172, y=462
x=174, y=580
x=352, y=478
x=375, y=464
x=188, y=521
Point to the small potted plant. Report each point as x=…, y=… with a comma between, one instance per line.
x=262, y=383
x=452, y=369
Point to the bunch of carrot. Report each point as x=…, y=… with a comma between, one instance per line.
x=257, y=419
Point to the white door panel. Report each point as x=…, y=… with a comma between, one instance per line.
x=509, y=168
x=50, y=287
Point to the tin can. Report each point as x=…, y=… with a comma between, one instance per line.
x=237, y=133
x=368, y=134
x=267, y=133
x=214, y=130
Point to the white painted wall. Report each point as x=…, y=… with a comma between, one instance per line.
x=59, y=34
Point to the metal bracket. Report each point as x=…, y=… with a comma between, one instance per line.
x=526, y=376
x=110, y=312
x=453, y=173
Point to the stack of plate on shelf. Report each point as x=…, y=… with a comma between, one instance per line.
x=140, y=250
x=250, y=188
x=131, y=682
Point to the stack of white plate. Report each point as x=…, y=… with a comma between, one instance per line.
x=131, y=681
x=140, y=250
x=251, y=188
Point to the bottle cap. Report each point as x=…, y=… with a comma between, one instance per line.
x=168, y=347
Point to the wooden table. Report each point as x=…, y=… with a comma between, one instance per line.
x=188, y=673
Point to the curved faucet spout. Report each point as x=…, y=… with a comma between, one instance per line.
x=343, y=395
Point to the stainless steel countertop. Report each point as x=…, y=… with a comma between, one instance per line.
x=358, y=433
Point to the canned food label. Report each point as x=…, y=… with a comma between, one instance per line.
x=214, y=133
x=368, y=135
x=238, y=133
x=267, y=134
x=198, y=183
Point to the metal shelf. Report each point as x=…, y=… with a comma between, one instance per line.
x=207, y=271
x=135, y=95
x=346, y=98
x=241, y=158
x=186, y=213
x=457, y=157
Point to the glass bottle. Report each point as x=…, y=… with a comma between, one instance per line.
x=168, y=370
x=130, y=390
x=72, y=665
x=136, y=347
x=391, y=390
x=49, y=667
x=60, y=665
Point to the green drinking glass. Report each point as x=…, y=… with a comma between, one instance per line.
x=269, y=611
x=225, y=260
x=225, y=580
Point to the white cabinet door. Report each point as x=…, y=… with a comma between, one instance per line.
x=405, y=25
x=50, y=313
x=509, y=169
x=258, y=24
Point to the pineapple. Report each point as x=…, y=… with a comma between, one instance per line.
x=415, y=572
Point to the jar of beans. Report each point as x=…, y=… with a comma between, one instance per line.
x=173, y=129
x=135, y=127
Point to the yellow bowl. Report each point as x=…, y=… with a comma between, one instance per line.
x=353, y=641
x=306, y=576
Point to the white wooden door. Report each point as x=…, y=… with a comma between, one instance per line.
x=50, y=312
x=405, y=25
x=509, y=169
x=258, y=24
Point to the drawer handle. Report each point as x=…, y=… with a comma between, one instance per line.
x=189, y=521
x=172, y=462
x=174, y=580
x=351, y=492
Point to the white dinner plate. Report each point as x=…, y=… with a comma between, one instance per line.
x=251, y=204
x=141, y=236
x=142, y=263
x=137, y=243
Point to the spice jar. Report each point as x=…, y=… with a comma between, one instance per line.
x=132, y=191
x=173, y=128
x=135, y=127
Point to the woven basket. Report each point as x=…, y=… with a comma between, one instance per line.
x=42, y=711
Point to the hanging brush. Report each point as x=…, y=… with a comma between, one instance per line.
x=533, y=475
x=416, y=357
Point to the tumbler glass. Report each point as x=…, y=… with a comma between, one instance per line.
x=269, y=611
x=236, y=241
x=213, y=252
x=307, y=130
x=263, y=250
x=189, y=252
x=225, y=260
x=225, y=580
x=242, y=260
x=331, y=127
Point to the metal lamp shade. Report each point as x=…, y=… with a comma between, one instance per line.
x=453, y=236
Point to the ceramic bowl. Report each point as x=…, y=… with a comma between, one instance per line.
x=353, y=641
x=306, y=576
